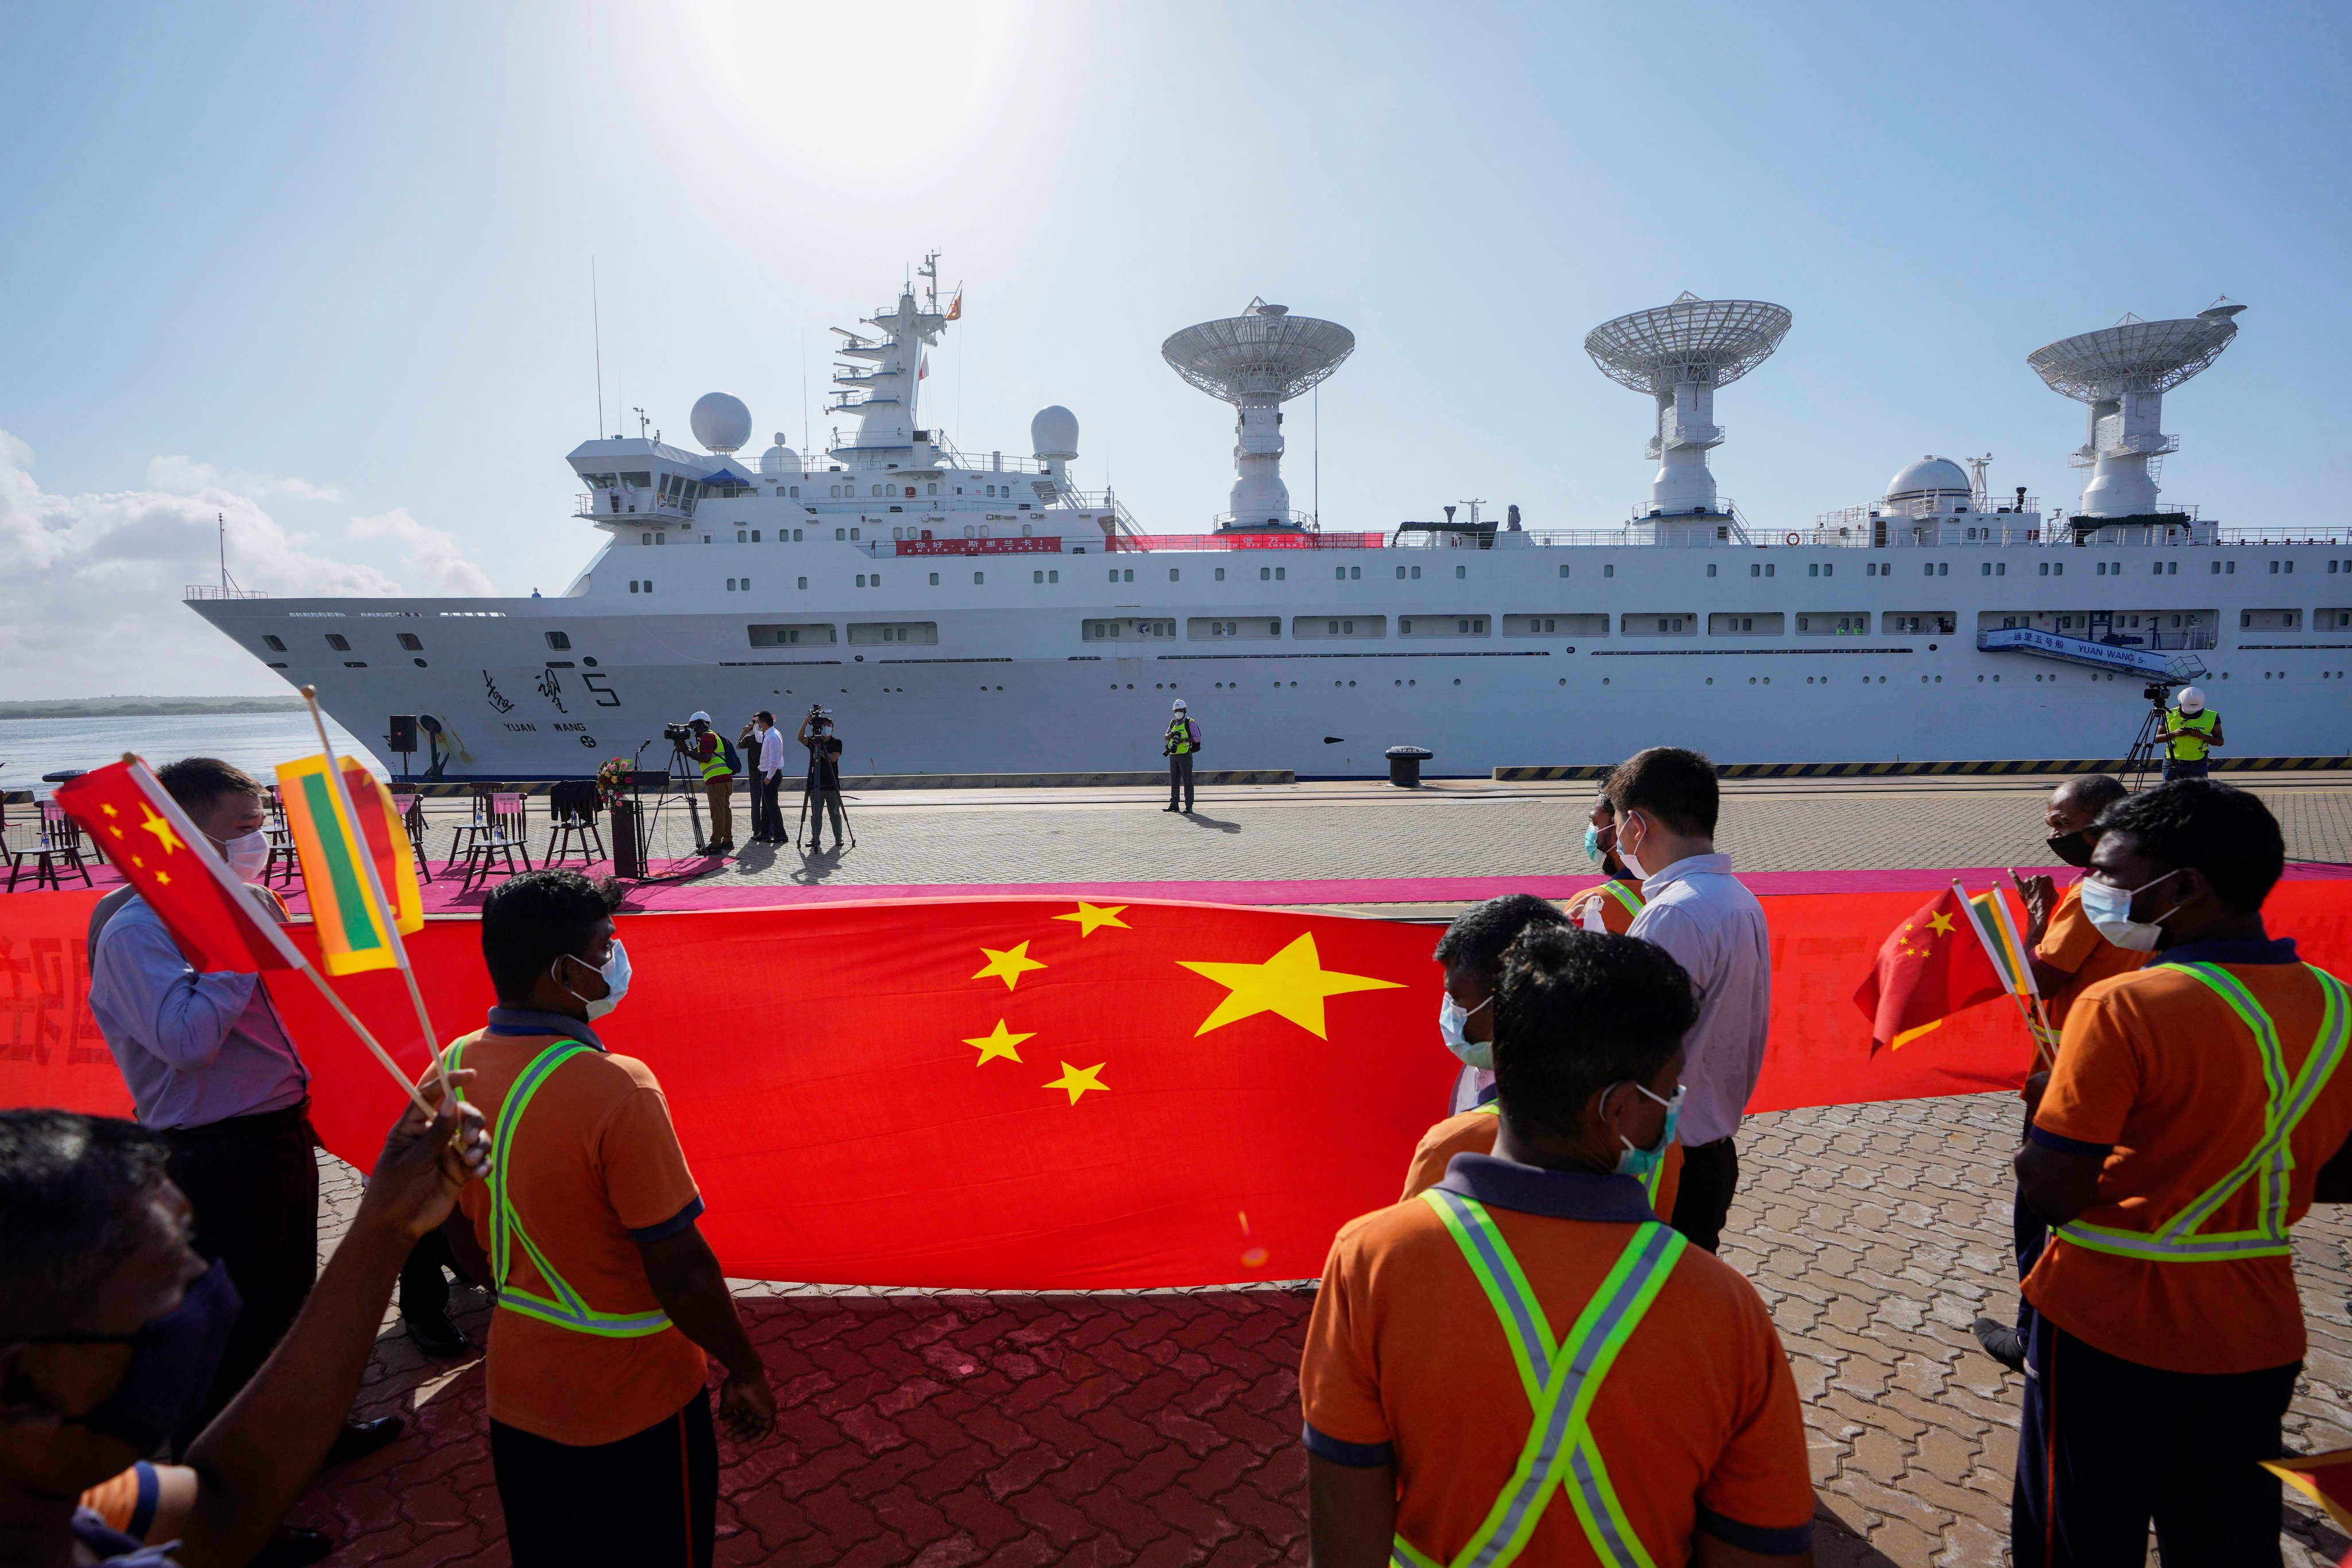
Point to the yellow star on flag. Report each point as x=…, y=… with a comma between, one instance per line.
x=1091, y=917
x=162, y=829
x=1077, y=1080
x=1942, y=923
x=1009, y=965
x=999, y=1042
x=1292, y=982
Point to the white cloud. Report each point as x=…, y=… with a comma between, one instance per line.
x=187, y=476
x=90, y=585
x=435, y=556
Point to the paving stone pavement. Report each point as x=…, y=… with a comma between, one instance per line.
x=1451, y=828
x=945, y=1428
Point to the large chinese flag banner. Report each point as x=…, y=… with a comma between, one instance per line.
x=1035, y=1093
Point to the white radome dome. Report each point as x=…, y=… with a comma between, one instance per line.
x=1929, y=479
x=720, y=421
x=780, y=461
x=1054, y=433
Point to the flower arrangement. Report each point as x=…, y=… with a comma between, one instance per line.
x=612, y=781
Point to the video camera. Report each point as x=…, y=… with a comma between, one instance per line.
x=678, y=734
x=2158, y=691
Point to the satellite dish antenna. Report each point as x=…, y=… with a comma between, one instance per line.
x=2123, y=371
x=1258, y=360
x=1680, y=354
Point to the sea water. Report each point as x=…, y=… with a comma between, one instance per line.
x=257, y=743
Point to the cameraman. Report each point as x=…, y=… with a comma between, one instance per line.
x=824, y=787
x=715, y=759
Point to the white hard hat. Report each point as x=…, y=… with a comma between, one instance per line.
x=1180, y=704
x=698, y=717
x=2191, y=699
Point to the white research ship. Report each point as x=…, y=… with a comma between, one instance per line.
x=966, y=614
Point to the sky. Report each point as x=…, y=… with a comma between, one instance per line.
x=324, y=273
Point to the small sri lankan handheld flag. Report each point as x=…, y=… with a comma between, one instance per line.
x=353, y=935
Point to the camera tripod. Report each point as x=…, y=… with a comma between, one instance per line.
x=2149, y=748
x=682, y=780
x=811, y=826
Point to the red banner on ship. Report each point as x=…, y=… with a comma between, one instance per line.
x=1036, y=1093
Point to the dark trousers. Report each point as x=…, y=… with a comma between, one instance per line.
x=1180, y=781
x=823, y=794
x=423, y=1288
x=2196, y=770
x=1703, y=1198
x=2106, y=1444
x=253, y=1182
x=649, y=1501
x=766, y=817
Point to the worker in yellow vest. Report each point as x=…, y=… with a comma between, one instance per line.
x=1182, y=741
x=1612, y=905
x=715, y=760
x=2190, y=730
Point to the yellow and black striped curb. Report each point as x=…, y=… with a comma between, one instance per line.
x=2011, y=765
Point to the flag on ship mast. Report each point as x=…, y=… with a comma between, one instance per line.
x=955, y=306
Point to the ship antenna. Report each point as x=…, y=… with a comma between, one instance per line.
x=1318, y=455
x=596, y=321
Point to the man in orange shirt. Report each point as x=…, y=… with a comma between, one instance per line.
x=1522, y=1361
x=1471, y=954
x=1612, y=905
x=2194, y=1115
x=608, y=1297
x=2068, y=956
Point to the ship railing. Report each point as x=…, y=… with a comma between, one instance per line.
x=220, y=591
x=1045, y=544
x=2234, y=534
x=1327, y=540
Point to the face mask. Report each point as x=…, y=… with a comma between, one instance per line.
x=615, y=975
x=1625, y=852
x=247, y=854
x=2071, y=848
x=172, y=1360
x=1453, y=1018
x=1593, y=850
x=1639, y=1162
x=2109, y=909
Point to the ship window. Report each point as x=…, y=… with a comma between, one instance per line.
x=935, y=579
x=412, y=642
x=978, y=578
x=841, y=534
x=877, y=490
x=1416, y=572
x=1563, y=571
x=275, y=644
x=1462, y=571
x=1813, y=570
x=861, y=579
x=836, y=492
x=632, y=584
x=1754, y=570
x=559, y=640
x=339, y=642
x=1355, y=573
x=928, y=489
x=1280, y=572
x=642, y=479
x=801, y=583
x=853, y=533
x=1037, y=576
x=1221, y=573
x=1265, y=573
x=743, y=536
x=796, y=535
x=1710, y=568
x=1338, y=573
x=661, y=539
x=644, y=539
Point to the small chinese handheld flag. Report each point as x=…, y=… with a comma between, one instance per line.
x=213, y=916
x=353, y=933
x=1930, y=967
x=2325, y=1478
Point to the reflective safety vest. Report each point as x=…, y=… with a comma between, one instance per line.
x=1623, y=894
x=715, y=765
x=2182, y=734
x=1649, y=1182
x=1179, y=737
x=2182, y=1238
x=1560, y=1382
x=566, y=1309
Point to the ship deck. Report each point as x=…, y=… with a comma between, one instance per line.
x=1165, y=1429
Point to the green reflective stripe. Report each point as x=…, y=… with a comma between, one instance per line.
x=1623, y=895
x=1405, y=1555
x=568, y=1309
x=1649, y=1182
x=2269, y=1163
x=1561, y=1382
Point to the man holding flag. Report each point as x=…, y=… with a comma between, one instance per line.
x=210, y=1065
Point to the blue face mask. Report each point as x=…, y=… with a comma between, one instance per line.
x=1641, y=1163
x=172, y=1360
x=1453, y=1018
x=1593, y=850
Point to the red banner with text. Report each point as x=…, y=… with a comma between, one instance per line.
x=1035, y=1093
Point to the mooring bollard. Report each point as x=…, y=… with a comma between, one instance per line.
x=1404, y=765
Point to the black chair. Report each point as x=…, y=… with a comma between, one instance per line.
x=499, y=833
x=411, y=808
x=57, y=844
x=574, y=807
x=283, y=862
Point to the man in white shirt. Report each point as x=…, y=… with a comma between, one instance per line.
x=1667, y=801
x=767, y=779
